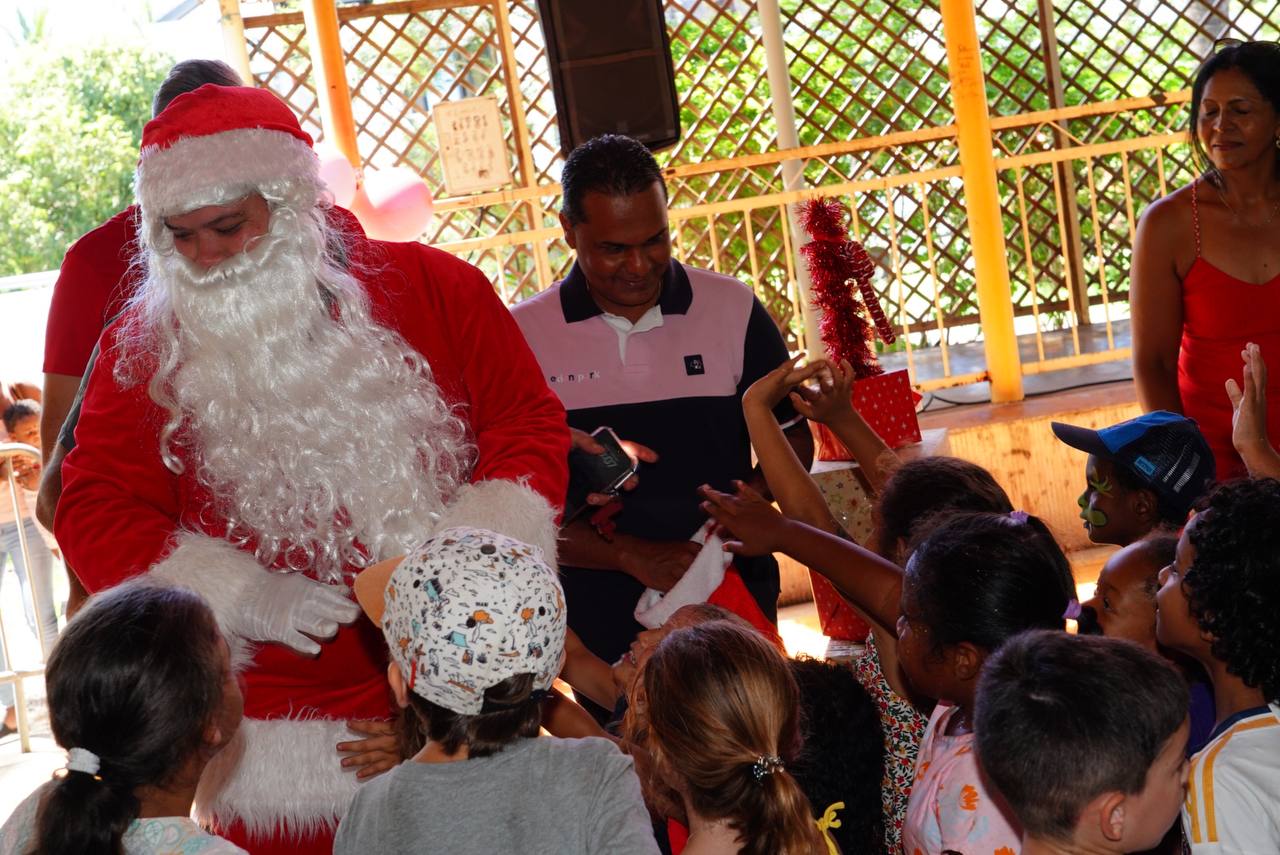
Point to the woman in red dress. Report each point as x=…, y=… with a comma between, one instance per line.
x=1206, y=260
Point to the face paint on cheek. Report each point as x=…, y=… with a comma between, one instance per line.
x=1092, y=516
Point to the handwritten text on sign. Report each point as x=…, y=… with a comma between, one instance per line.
x=473, y=148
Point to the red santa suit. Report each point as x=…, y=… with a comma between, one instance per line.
x=92, y=288
x=123, y=512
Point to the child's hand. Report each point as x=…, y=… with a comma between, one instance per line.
x=769, y=390
x=624, y=673
x=832, y=400
x=26, y=471
x=374, y=755
x=1249, y=405
x=755, y=525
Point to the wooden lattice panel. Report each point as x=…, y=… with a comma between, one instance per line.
x=1124, y=49
x=535, y=89
x=1013, y=56
x=859, y=68
x=279, y=61
x=866, y=68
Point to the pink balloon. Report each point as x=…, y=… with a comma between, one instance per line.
x=393, y=204
x=337, y=174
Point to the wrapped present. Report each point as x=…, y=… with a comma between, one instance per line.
x=845, y=494
x=888, y=404
x=837, y=618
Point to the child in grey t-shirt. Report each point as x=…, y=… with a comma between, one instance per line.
x=475, y=622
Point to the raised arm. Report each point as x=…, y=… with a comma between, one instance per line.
x=788, y=479
x=1249, y=417
x=1155, y=301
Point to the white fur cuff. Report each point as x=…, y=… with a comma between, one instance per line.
x=219, y=572
x=506, y=507
x=279, y=776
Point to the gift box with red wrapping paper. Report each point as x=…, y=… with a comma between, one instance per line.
x=836, y=617
x=887, y=403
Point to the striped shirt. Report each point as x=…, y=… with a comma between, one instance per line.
x=1233, y=789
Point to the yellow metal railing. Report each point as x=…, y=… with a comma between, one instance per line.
x=704, y=217
x=947, y=264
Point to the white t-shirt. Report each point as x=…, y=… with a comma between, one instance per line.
x=165, y=835
x=1233, y=791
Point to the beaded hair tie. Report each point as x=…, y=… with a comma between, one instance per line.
x=766, y=765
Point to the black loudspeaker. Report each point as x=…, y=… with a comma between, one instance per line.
x=611, y=70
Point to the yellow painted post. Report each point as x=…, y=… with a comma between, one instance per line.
x=233, y=43
x=982, y=200
x=321, y=20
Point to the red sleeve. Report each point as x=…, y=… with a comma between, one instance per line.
x=119, y=504
x=518, y=422
x=90, y=290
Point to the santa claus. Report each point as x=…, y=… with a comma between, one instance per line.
x=280, y=406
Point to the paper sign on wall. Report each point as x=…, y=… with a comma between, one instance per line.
x=473, y=147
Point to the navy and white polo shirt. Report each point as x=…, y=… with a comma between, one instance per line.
x=672, y=381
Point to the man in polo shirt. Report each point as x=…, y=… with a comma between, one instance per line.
x=661, y=353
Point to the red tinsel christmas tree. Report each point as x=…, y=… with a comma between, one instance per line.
x=841, y=270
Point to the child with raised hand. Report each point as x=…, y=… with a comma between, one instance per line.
x=141, y=694
x=910, y=498
x=974, y=581
x=475, y=623
x=1085, y=739
x=1219, y=603
x=719, y=745
x=1249, y=416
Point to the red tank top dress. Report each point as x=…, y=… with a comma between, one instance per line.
x=1220, y=315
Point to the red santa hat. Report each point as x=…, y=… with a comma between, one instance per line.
x=217, y=144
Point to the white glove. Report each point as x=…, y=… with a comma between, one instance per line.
x=281, y=607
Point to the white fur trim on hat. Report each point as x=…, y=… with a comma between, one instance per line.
x=279, y=776
x=509, y=508
x=222, y=574
x=696, y=586
x=218, y=168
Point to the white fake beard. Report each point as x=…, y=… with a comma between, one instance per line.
x=312, y=434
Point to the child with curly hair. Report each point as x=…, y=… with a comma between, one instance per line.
x=840, y=765
x=720, y=747
x=1219, y=603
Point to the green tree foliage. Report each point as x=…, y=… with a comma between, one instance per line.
x=70, y=124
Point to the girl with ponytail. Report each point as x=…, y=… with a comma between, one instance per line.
x=141, y=694
x=715, y=714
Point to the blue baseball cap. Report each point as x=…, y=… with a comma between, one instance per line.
x=1161, y=449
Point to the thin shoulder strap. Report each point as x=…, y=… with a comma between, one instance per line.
x=1195, y=215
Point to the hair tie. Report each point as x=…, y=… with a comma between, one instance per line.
x=1018, y=516
x=766, y=765
x=539, y=695
x=83, y=760
x=1073, y=610
x=828, y=821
